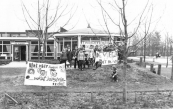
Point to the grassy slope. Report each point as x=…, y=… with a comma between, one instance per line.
x=11, y=79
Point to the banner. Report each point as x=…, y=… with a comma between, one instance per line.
x=93, y=43
x=42, y=74
x=107, y=57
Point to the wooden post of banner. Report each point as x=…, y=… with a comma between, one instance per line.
x=48, y=99
x=5, y=102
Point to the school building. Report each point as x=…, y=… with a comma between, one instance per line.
x=23, y=46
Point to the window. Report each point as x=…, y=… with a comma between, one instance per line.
x=95, y=38
x=49, y=50
x=85, y=38
x=5, y=47
x=14, y=35
x=22, y=35
x=34, y=42
x=104, y=38
x=67, y=44
x=0, y=48
x=67, y=38
x=6, y=42
x=74, y=44
x=50, y=42
x=5, y=35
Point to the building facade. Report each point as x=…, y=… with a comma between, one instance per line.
x=23, y=46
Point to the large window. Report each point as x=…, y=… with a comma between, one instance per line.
x=66, y=42
x=5, y=47
x=49, y=49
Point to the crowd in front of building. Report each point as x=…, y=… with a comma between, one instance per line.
x=80, y=57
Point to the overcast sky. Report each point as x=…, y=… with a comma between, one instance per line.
x=12, y=18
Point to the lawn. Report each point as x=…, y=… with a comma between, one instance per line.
x=80, y=84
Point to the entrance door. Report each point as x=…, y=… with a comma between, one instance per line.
x=19, y=53
x=16, y=53
x=23, y=53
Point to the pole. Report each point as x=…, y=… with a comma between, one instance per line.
x=172, y=69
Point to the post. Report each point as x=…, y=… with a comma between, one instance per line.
x=172, y=69
x=48, y=99
x=159, y=69
x=144, y=65
x=140, y=61
x=151, y=67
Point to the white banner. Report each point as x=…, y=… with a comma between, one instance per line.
x=107, y=57
x=42, y=74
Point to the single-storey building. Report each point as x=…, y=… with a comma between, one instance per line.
x=23, y=46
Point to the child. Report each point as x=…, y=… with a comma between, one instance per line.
x=98, y=64
x=81, y=59
x=114, y=74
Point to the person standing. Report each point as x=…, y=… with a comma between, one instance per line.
x=81, y=59
x=91, y=57
x=75, y=55
x=63, y=57
x=69, y=56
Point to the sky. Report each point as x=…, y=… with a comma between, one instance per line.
x=88, y=11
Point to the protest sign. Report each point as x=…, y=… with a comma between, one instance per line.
x=107, y=57
x=42, y=74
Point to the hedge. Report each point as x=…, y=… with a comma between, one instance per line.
x=4, y=61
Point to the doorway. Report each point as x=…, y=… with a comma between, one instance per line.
x=20, y=53
x=23, y=53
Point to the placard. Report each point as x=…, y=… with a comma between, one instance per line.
x=107, y=57
x=42, y=74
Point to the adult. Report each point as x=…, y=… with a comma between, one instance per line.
x=63, y=57
x=69, y=56
x=75, y=55
x=91, y=56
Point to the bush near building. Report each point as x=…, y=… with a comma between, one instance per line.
x=4, y=61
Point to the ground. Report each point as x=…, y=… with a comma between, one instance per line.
x=89, y=80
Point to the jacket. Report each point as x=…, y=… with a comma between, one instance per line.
x=81, y=55
x=63, y=56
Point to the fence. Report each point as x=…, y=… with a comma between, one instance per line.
x=151, y=64
x=86, y=100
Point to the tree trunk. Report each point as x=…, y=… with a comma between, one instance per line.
x=44, y=44
x=172, y=68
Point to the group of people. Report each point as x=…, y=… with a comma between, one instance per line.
x=80, y=57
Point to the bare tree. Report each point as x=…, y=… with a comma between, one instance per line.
x=46, y=19
x=123, y=28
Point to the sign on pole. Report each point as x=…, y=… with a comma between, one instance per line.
x=42, y=74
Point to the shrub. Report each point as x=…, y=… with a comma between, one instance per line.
x=4, y=61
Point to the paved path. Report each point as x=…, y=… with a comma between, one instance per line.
x=20, y=64
x=14, y=64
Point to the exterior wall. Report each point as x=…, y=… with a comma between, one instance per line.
x=53, y=48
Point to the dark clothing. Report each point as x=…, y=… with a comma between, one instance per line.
x=98, y=64
x=63, y=58
x=81, y=64
x=63, y=61
x=69, y=55
x=87, y=62
x=114, y=76
x=76, y=63
x=75, y=55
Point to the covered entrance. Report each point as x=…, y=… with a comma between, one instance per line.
x=20, y=51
